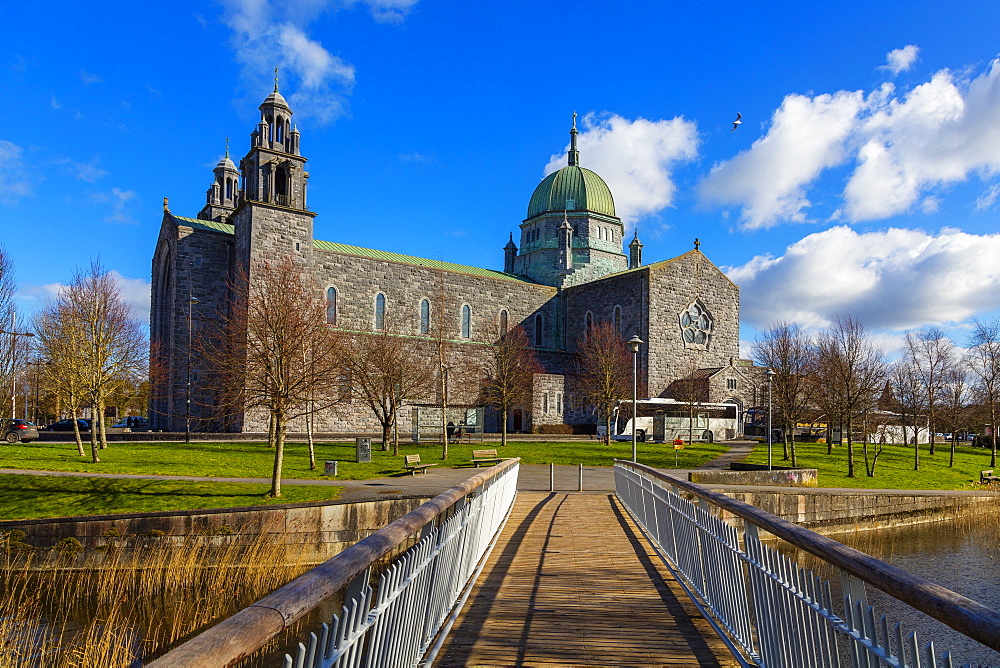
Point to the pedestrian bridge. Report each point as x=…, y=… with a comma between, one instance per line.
x=661, y=573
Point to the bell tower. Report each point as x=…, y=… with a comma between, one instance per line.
x=272, y=219
x=224, y=193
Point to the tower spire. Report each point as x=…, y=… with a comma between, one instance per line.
x=275, y=79
x=227, y=147
x=574, y=154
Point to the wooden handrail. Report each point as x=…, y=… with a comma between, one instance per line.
x=249, y=629
x=966, y=616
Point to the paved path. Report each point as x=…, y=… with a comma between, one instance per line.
x=571, y=582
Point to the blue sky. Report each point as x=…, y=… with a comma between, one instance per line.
x=865, y=178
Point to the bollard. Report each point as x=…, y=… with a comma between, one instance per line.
x=581, y=477
x=330, y=469
x=363, y=450
x=552, y=477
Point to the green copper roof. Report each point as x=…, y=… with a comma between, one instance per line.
x=209, y=225
x=574, y=188
x=418, y=261
x=344, y=249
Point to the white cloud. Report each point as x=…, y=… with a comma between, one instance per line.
x=85, y=171
x=986, y=200
x=90, y=78
x=265, y=35
x=936, y=135
x=906, y=147
x=807, y=135
x=900, y=60
x=635, y=158
x=15, y=181
x=135, y=292
x=119, y=200
x=890, y=279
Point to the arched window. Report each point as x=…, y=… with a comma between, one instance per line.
x=588, y=322
x=538, y=330
x=229, y=188
x=380, y=311
x=425, y=316
x=331, y=306
x=280, y=126
x=618, y=320
x=466, y=321
x=503, y=321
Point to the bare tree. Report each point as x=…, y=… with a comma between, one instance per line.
x=267, y=356
x=60, y=340
x=16, y=345
x=933, y=356
x=955, y=396
x=788, y=352
x=908, y=396
x=983, y=359
x=605, y=370
x=854, y=368
x=509, y=373
x=103, y=338
x=387, y=370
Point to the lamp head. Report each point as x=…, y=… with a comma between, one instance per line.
x=635, y=342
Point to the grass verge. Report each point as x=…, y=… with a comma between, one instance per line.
x=893, y=470
x=29, y=496
x=254, y=460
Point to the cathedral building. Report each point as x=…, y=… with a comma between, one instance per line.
x=568, y=272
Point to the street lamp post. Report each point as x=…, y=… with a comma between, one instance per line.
x=770, y=376
x=38, y=370
x=187, y=409
x=635, y=342
x=13, y=376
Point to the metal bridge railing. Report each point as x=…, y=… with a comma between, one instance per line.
x=395, y=622
x=771, y=611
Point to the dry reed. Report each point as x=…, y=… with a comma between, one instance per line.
x=130, y=598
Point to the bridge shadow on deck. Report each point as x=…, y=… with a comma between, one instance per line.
x=571, y=582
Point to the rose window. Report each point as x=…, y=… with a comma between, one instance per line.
x=696, y=325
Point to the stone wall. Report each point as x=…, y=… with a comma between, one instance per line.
x=673, y=286
x=188, y=263
x=831, y=512
x=310, y=532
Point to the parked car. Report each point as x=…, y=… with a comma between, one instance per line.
x=67, y=425
x=19, y=431
x=135, y=423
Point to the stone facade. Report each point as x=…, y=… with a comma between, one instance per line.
x=570, y=272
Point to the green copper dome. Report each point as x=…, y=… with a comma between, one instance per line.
x=574, y=188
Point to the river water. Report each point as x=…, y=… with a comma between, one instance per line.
x=963, y=556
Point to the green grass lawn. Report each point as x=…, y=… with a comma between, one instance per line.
x=38, y=496
x=23, y=497
x=894, y=469
x=255, y=460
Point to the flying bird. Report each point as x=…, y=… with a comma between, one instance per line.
x=737, y=122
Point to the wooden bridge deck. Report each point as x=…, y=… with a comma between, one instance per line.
x=572, y=582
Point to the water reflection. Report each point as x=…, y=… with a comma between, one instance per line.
x=961, y=555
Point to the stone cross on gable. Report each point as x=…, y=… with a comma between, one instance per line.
x=697, y=244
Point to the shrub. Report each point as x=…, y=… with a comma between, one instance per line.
x=69, y=547
x=113, y=532
x=552, y=429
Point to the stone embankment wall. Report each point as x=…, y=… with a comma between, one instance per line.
x=833, y=511
x=311, y=532
x=778, y=477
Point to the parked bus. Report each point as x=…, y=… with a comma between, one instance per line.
x=663, y=420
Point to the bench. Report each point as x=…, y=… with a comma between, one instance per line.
x=987, y=477
x=485, y=457
x=412, y=464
